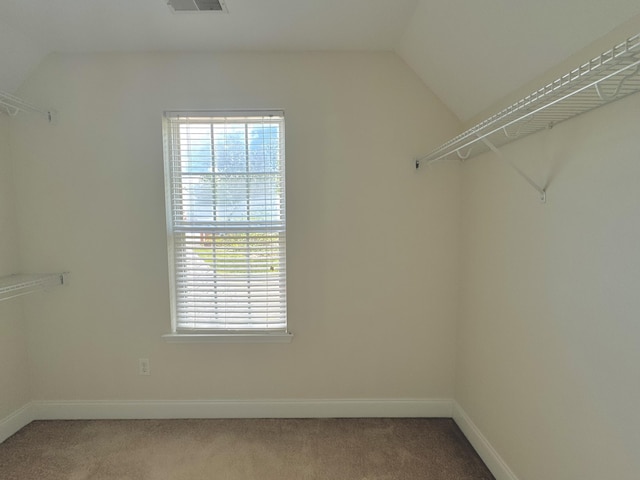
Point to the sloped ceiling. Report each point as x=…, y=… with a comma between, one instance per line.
x=472, y=53
x=18, y=56
x=469, y=52
x=30, y=29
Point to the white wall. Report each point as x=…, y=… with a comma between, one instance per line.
x=548, y=350
x=372, y=245
x=14, y=370
x=546, y=347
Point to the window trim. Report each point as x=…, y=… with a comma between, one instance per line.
x=215, y=335
x=263, y=337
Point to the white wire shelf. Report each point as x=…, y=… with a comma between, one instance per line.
x=13, y=286
x=12, y=105
x=613, y=75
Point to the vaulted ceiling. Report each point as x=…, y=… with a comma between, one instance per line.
x=470, y=53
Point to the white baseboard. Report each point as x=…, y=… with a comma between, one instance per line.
x=489, y=455
x=289, y=408
x=15, y=421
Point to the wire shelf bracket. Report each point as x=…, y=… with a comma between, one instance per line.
x=18, y=285
x=613, y=75
x=541, y=190
x=12, y=105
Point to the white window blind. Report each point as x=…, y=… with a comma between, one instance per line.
x=225, y=179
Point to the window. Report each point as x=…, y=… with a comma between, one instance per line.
x=225, y=187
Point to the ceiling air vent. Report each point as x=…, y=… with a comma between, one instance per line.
x=198, y=6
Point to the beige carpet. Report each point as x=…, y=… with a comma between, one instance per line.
x=247, y=449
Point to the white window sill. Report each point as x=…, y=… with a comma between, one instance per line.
x=228, y=337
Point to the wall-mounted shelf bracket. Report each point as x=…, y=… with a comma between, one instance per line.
x=541, y=191
x=17, y=285
x=12, y=105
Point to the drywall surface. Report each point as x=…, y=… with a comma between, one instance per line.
x=548, y=339
x=372, y=245
x=616, y=36
x=14, y=371
x=501, y=44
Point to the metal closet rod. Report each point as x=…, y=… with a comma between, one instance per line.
x=12, y=105
x=12, y=286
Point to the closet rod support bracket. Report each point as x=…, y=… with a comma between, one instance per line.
x=541, y=191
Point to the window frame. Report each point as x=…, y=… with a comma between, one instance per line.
x=172, y=153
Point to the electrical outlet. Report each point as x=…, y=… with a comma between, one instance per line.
x=143, y=366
